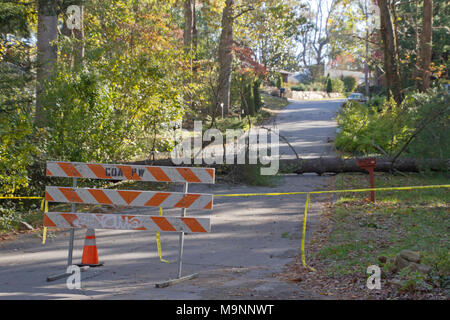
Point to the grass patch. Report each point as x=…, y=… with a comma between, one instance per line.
x=272, y=103
x=416, y=220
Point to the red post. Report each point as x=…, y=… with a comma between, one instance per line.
x=369, y=164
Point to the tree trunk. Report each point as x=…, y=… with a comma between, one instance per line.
x=79, y=35
x=46, y=52
x=75, y=54
x=189, y=40
x=366, y=63
x=426, y=43
x=189, y=25
x=366, y=59
x=334, y=165
x=225, y=58
x=391, y=68
x=338, y=165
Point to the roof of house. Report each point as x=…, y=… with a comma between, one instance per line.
x=336, y=73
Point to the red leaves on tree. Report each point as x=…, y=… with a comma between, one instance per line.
x=248, y=60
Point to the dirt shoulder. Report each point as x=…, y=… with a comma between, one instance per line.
x=354, y=234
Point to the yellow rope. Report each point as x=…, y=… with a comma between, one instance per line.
x=308, y=198
x=44, y=207
x=158, y=243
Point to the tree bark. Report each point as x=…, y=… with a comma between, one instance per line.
x=46, y=51
x=189, y=26
x=391, y=67
x=79, y=35
x=338, y=165
x=75, y=55
x=334, y=165
x=225, y=58
x=426, y=43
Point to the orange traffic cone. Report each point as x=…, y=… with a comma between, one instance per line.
x=90, y=256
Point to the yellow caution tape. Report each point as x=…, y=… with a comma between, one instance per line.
x=330, y=191
x=158, y=243
x=44, y=207
x=21, y=198
x=308, y=198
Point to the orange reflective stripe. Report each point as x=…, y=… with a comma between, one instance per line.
x=48, y=222
x=99, y=171
x=209, y=205
x=69, y=217
x=210, y=171
x=163, y=224
x=193, y=224
x=187, y=201
x=69, y=169
x=70, y=195
x=48, y=197
x=188, y=175
x=128, y=196
x=100, y=196
x=157, y=199
x=128, y=173
x=159, y=174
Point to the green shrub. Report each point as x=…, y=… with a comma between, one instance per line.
x=363, y=128
x=257, y=102
x=317, y=86
x=279, y=81
x=17, y=149
x=9, y=219
x=337, y=85
x=385, y=125
x=329, y=88
x=299, y=87
x=433, y=141
x=350, y=83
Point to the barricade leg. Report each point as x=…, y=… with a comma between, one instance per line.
x=72, y=230
x=180, y=258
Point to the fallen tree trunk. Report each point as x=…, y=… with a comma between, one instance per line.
x=332, y=165
x=338, y=165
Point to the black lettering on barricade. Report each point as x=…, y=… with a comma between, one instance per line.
x=114, y=172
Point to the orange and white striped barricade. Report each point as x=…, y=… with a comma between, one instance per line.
x=132, y=198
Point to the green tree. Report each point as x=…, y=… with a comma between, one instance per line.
x=350, y=83
x=337, y=85
x=279, y=82
x=17, y=149
x=329, y=84
x=271, y=30
x=256, y=95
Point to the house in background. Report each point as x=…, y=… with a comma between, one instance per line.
x=285, y=75
x=337, y=74
x=300, y=77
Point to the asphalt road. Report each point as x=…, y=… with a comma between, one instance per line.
x=251, y=242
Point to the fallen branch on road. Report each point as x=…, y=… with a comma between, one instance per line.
x=331, y=165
